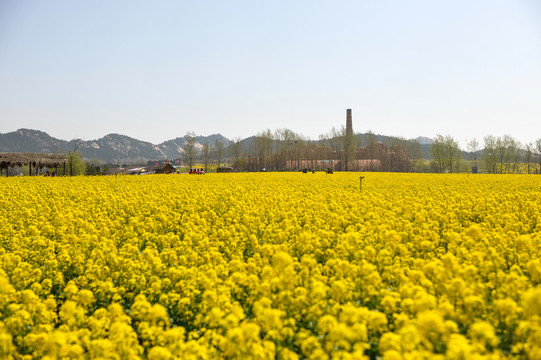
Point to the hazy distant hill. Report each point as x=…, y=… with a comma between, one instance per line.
x=112, y=148
x=211, y=139
x=25, y=140
x=424, y=140
x=174, y=148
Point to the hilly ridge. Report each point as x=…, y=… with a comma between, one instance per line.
x=111, y=148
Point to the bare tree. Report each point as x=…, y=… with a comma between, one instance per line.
x=219, y=151
x=235, y=151
x=538, y=152
x=300, y=145
x=516, y=155
x=414, y=154
x=473, y=147
x=490, y=153
x=446, y=154
x=510, y=153
x=336, y=143
x=190, y=151
x=248, y=155
x=452, y=151
x=438, y=152
x=374, y=150
x=285, y=141
x=505, y=152
x=263, y=147
x=529, y=150
x=205, y=153
x=327, y=154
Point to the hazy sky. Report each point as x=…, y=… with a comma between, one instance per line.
x=154, y=70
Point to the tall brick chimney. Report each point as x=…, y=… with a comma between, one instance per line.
x=349, y=123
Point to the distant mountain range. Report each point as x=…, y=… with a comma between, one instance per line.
x=119, y=149
x=112, y=148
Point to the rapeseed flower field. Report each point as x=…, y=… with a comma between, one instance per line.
x=271, y=266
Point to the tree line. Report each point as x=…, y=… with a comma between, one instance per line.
x=286, y=150
x=498, y=155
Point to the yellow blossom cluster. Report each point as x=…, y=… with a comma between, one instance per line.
x=271, y=266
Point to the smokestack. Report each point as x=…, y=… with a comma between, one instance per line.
x=349, y=123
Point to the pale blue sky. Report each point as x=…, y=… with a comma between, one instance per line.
x=154, y=70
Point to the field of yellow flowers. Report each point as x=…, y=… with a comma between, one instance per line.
x=271, y=266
